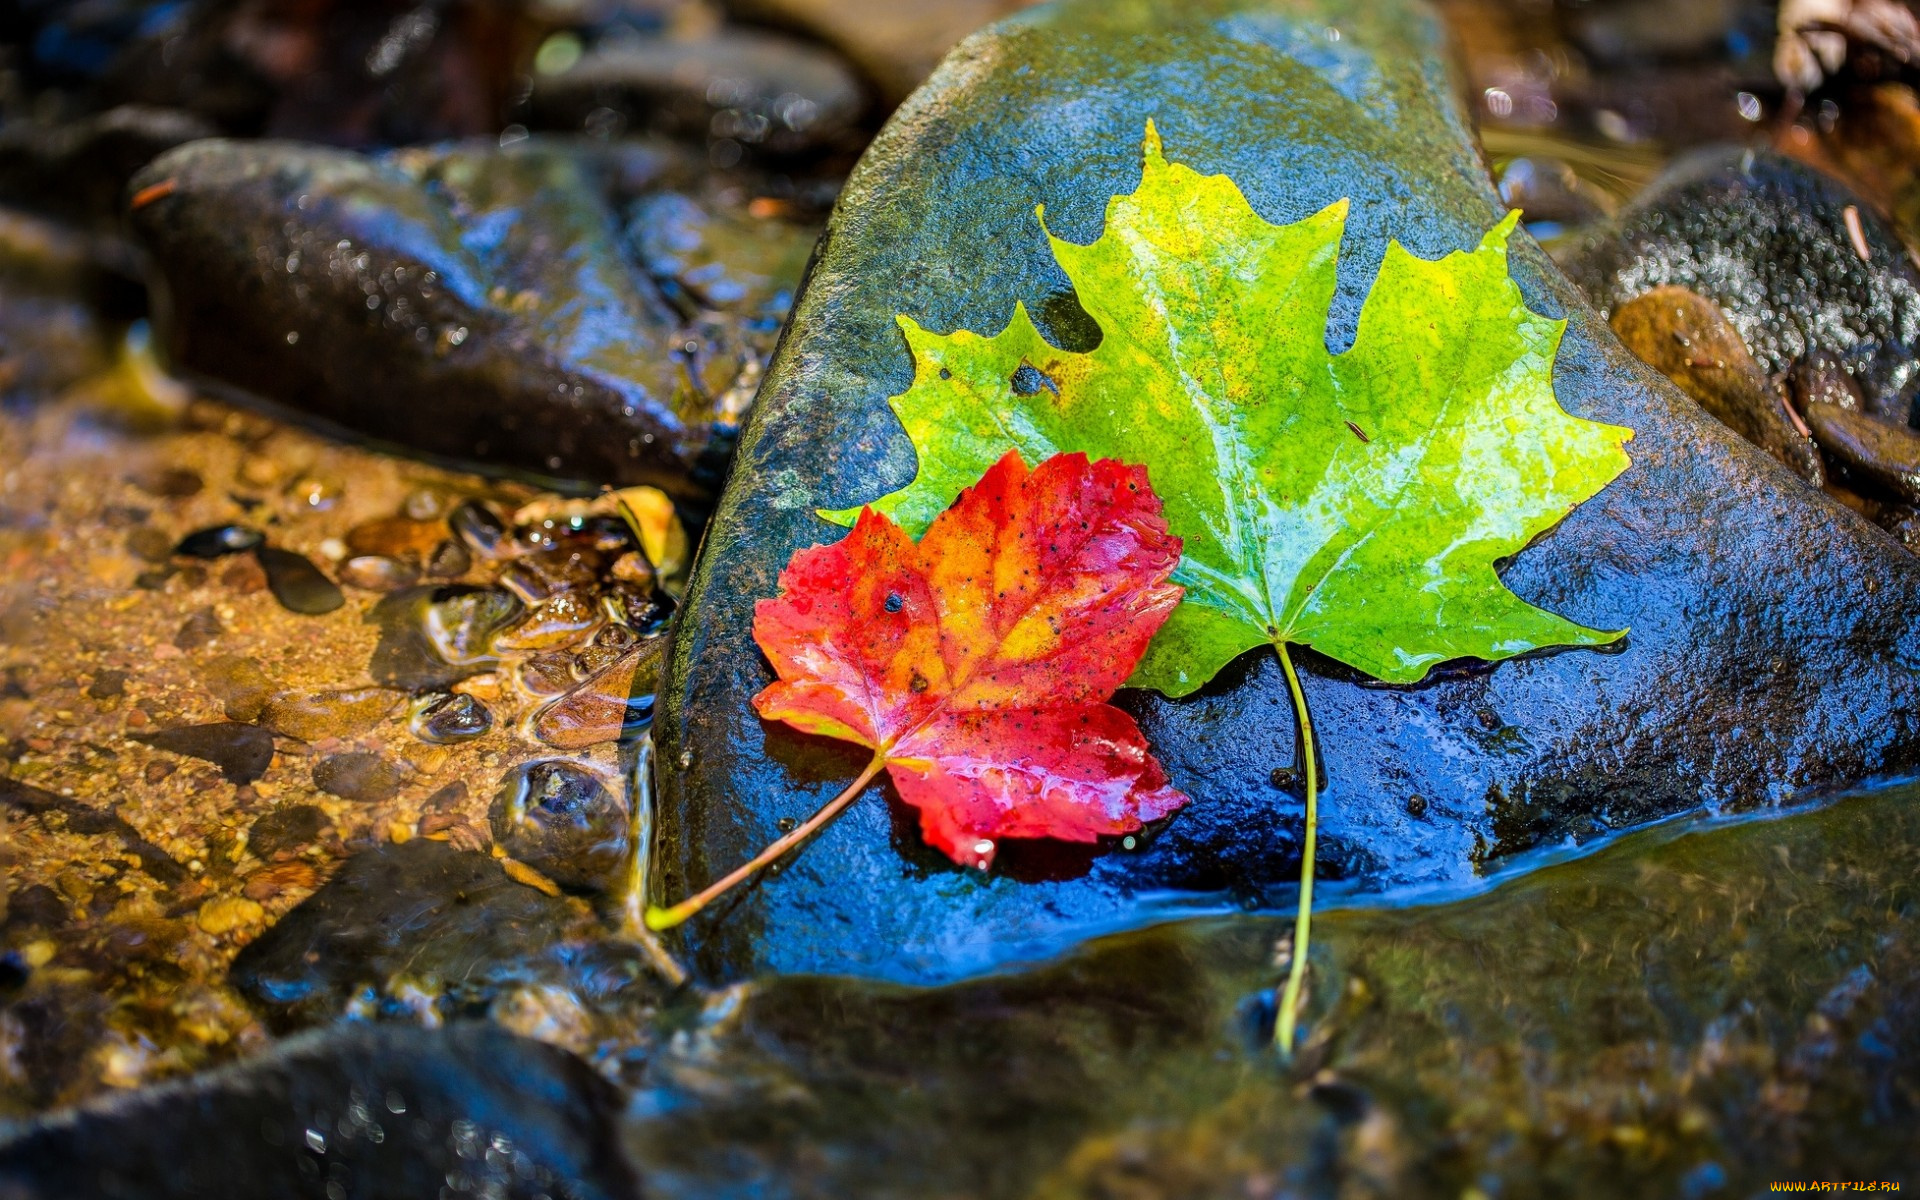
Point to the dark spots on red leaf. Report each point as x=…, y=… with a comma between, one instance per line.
x=895, y=602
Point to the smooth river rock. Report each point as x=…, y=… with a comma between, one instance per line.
x=1773, y=649
x=470, y=304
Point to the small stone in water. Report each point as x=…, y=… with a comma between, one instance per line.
x=312, y=715
x=397, y=537
x=242, y=752
x=108, y=685
x=644, y=610
x=564, y=620
x=149, y=545
x=239, y=683
x=297, y=584
x=287, y=830
x=480, y=527
x=562, y=821
x=617, y=702
x=449, y=559
x=450, y=717
x=1416, y=805
x=548, y=674
x=198, y=629
x=175, y=483
x=375, y=573
x=219, y=541
x=359, y=776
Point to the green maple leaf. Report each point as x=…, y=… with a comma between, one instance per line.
x=1355, y=503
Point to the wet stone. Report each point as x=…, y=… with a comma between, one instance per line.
x=1770, y=628
x=480, y=527
x=297, y=584
x=108, y=685
x=242, y=752
x=435, y=636
x=896, y=45
x=485, y=286
x=448, y=921
x=754, y=90
x=616, y=701
x=397, y=537
x=372, y=573
x=1686, y=337
x=149, y=545
x=199, y=629
x=312, y=715
x=240, y=684
x=447, y=718
x=1769, y=241
x=360, y=776
x=563, y=821
x=1868, y=453
x=170, y=483
x=376, y=1112
x=35, y=906
x=449, y=559
x=219, y=541
x=288, y=829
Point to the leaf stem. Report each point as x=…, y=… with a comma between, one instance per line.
x=666, y=918
x=1303, y=921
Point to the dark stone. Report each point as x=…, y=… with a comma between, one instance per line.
x=218, y=541
x=435, y=636
x=448, y=922
x=201, y=628
x=1443, y=1045
x=297, y=584
x=172, y=483
x=1773, y=649
x=376, y=573
x=449, y=559
x=35, y=906
x=479, y=526
x=242, y=752
x=78, y=171
x=149, y=545
x=450, y=717
x=563, y=821
x=291, y=827
x=486, y=287
x=1766, y=238
x=358, y=775
x=108, y=685
x=88, y=821
x=1870, y=454
x=372, y=1112
x=757, y=90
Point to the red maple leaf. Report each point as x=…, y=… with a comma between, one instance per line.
x=977, y=663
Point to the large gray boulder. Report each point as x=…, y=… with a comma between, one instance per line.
x=1773, y=645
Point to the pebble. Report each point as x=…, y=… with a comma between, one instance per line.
x=219, y=541
x=242, y=752
x=449, y=559
x=397, y=537
x=172, y=483
x=297, y=584
x=563, y=821
x=377, y=573
x=198, y=630
x=286, y=830
x=239, y=683
x=149, y=545
x=312, y=715
x=450, y=717
x=480, y=527
x=358, y=775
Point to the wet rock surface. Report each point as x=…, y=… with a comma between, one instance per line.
x=1771, y=242
x=420, y=926
x=895, y=44
x=242, y=752
x=563, y=821
x=371, y=1112
x=1750, y=599
x=483, y=287
x=771, y=94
